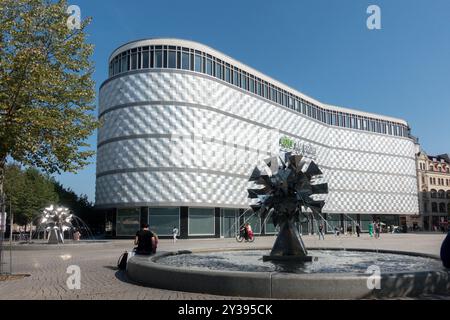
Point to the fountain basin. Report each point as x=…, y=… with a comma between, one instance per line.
x=283, y=283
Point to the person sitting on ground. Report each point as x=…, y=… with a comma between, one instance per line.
x=145, y=240
x=445, y=252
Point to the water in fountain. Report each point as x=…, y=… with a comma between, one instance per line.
x=328, y=261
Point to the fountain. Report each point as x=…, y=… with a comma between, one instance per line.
x=56, y=228
x=285, y=191
x=56, y=221
x=289, y=185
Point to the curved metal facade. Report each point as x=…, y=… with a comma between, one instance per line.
x=181, y=138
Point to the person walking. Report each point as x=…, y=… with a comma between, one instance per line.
x=321, y=232
x=175, y=234
x=349, y=230
x=445, y=252
x=371, y=229
x=377, y=229
x=358, y=229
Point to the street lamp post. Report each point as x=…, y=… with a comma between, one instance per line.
x=2, y=227
x=11, y=224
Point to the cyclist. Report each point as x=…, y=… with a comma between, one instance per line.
x=248, y=232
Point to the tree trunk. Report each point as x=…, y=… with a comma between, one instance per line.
x=2, y=180
x=2, y=208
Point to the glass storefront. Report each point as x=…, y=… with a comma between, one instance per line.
x=254, y=220
x=229, y=223
x=350, y=222
x=305, y=225
x=366, y=219
x=388, y=222
x=333, y=221
x=201, y=222
x=269, y=227
x=128, y=221
x=317, y=220
x=162, y=220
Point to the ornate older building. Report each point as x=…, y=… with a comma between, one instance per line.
x=433, y=174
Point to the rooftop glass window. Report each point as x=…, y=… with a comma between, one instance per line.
x=218, y=70
x=158, y=59
x=209, y=67
x=165, y=58
x=227, y=74
x=134, y=61
x=174, y=57
x=198, y=63
x=185, y=61
x=145, y=60
x=178, y=59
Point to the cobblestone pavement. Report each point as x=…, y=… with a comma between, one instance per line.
x=101, y=280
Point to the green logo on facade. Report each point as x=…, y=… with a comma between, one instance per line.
x=300, y=147
x=287, y=143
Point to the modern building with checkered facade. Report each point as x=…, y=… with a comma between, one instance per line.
x=183, y=126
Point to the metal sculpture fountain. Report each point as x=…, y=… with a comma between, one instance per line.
x=56, y=221
x=285, y=191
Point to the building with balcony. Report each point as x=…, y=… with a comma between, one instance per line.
x=433, y=174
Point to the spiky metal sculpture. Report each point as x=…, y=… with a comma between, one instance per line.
x=284, y=192
x=56, y=221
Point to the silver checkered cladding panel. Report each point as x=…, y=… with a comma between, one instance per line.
x=181, y=138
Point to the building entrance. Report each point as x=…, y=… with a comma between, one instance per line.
x=229, y=223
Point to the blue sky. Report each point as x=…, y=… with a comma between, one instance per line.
x=320, y=47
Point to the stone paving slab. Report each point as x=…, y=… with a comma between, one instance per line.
x=101, y=280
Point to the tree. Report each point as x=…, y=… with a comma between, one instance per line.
x=29, y=192
x=46, y=88
x=79, y=205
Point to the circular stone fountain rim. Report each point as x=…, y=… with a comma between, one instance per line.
x=154, y=260
x=278, y=285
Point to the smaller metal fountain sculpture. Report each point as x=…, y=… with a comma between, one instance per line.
x=283, y=195
x=56, y=221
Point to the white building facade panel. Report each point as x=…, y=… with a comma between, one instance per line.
x=178, y=138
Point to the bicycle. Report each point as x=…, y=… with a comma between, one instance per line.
x=241, y=236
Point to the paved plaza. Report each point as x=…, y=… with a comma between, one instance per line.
x=100, y=278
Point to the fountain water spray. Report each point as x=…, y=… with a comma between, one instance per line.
x=56, y=220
